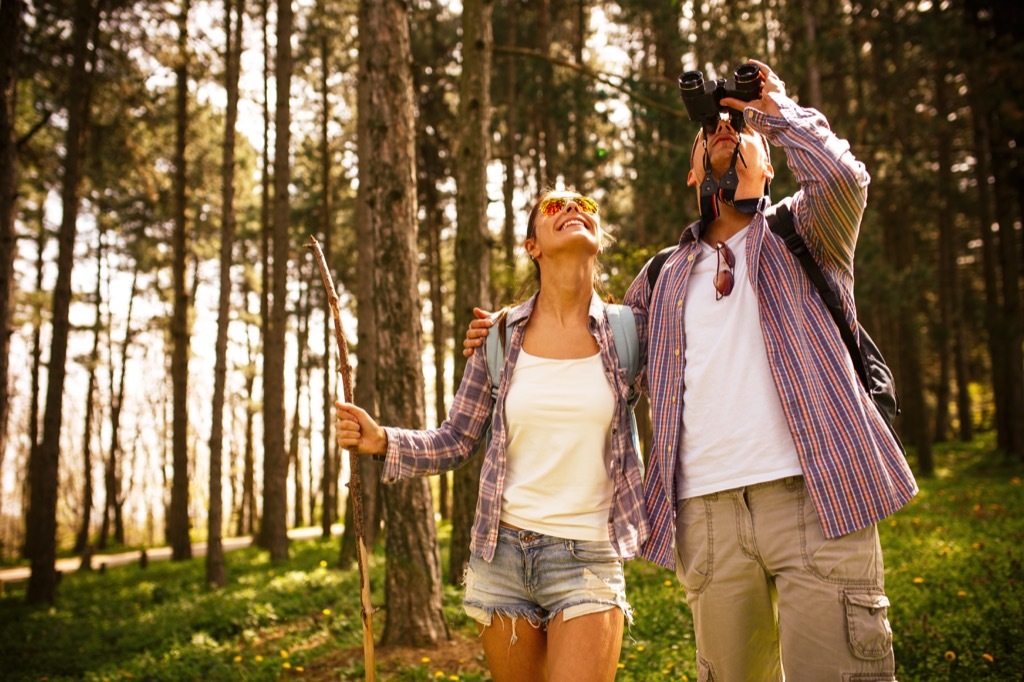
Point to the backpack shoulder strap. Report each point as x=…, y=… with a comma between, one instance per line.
x=654, y=267
x=780, y=220
x=494, y=347
x=627, y=342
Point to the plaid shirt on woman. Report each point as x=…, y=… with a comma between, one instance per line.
x=419, y=453
x=855, y=471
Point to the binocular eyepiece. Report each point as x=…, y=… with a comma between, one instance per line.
x=703, y=99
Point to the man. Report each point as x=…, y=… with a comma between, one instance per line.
x=770, y=465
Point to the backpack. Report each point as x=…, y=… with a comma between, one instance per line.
x=627, y=347
x=867, y=359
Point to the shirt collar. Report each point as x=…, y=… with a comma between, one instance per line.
x=692, y=231
x=524, y=310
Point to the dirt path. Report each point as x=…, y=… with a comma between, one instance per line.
x=19, y=573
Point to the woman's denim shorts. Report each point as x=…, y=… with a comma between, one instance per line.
x=536, y=577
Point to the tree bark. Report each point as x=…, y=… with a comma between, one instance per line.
x=301, y=383
x=329, y=476
x=472, y=241
x=216, y=573
x=82, y=539
x=41, y=530
x=413, y=577
x=11, y=12
x=114, y=502
x=274, y=529
x=178, y=522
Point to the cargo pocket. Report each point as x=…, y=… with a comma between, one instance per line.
x=867, y=625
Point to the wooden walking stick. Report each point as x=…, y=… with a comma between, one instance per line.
x=355, y=485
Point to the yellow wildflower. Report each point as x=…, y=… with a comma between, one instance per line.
x=286, y=665
x=918, y=580
x=326, y=612
x=284, y=653
x=323, y=564
x=950, y=656
x=988, y=658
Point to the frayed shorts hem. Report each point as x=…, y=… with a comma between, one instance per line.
x=539, y=618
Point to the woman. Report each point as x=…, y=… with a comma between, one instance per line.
x=561, y=499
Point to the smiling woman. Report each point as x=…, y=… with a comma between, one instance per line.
x=560, y=500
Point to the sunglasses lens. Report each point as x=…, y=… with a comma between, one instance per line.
x=728, y=256
x=723, y=283
x=587, y=205
x=552, y=206
x=724, y=278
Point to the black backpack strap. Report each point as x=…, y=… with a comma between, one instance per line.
x=780, y=220
x=654, y=268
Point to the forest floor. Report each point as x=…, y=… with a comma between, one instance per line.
x=953, y=562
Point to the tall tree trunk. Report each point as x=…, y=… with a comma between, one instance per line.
x=41, y=531
x=248, y=512
x=810, y=15
x=329, y=476
x=82, y=539
x=1011, y=327
x=508, y=232
x=216, y=574
x=989, y=257
x=472, y=240
x=178, y=522
x=274, y=528
x=546, y=144
x=301, y=383
x=413, y=576
x=947, y=260
x=365, y=389
x=10, y=38
x=113, y=504
x=34, y=391
x=266, y=237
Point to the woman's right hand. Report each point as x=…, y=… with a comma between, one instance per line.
x=477, y=332
x=357, y=431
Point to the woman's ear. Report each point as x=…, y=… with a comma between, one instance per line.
x=531, y=246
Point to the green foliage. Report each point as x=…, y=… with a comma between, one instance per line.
x=163, y=623
x=953, y=573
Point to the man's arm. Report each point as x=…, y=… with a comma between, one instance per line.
x=833, y=184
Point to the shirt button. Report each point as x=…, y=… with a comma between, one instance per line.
x=679, y=303
x=677, y=352
x=690, y=257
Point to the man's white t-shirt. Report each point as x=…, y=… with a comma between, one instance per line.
x=734, y=430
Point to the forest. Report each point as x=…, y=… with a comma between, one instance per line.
x=170, y=367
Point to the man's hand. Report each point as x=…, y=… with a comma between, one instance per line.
x=358, y=432
x=772, y=83
x=477, y=332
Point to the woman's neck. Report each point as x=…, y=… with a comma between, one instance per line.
x=566, y=292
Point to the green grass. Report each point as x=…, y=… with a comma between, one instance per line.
x=953, y=574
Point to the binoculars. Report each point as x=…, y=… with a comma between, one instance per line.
x=703, y=99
